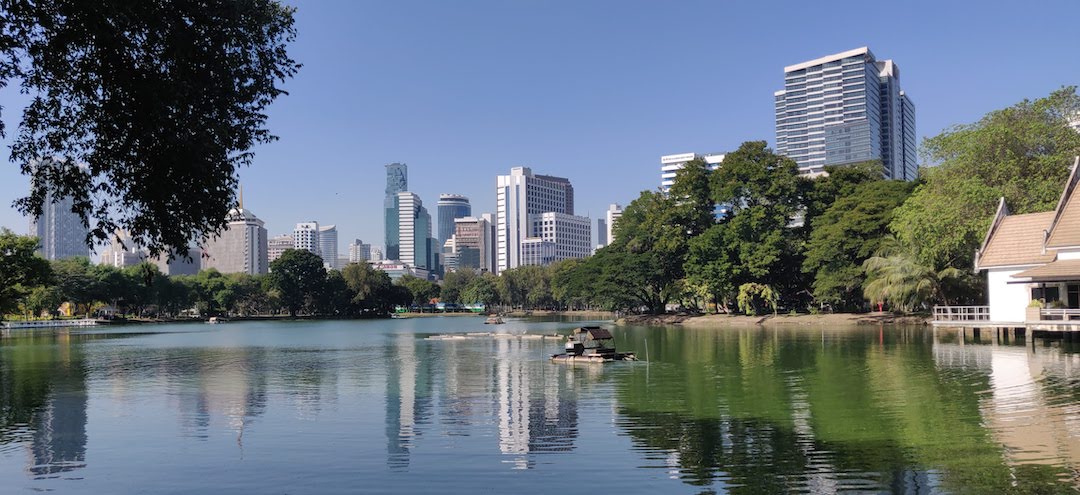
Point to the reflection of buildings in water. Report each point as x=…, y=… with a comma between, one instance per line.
x=59, y=439
x=225, y=386
x=58, y=443
x=1031, y=407
x=408, y=398
x=533, y=416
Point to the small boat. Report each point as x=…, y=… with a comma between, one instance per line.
x=592, y=345
x=214, y=320
x=494, y=320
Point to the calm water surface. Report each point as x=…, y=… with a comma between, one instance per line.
x=375, y=407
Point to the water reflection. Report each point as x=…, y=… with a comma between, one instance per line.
x=43, y=401
x=765, y=411
x=721, y=410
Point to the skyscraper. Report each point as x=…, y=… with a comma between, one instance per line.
x=601, y=233
x=122, y=251
x=846, y=108
x=306, y=237
x=418, y=248
x=614, y=212
x=451, y=207
x=521, y=198
x=241, y=247
x=328, y=245
x=397, y=181
x=61, y=233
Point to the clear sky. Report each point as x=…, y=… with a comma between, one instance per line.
x=591, y=90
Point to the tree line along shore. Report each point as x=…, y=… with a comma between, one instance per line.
x=847, y=242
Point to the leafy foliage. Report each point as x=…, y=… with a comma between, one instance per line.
x=297, y=276
x=1022, y=153
x=20, y=269
x=142, y=112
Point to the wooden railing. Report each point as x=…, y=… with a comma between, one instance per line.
x=1059, y=314
x=961, y=313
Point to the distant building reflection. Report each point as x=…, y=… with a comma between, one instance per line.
x=408, y=398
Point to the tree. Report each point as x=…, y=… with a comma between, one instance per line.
x=851, y=230
x=421, y=291
x=372, y=289
x=143, y=111
x=75, y=281
x=900, y=280
x=1022, y=153
x=750, y=294
x=454, y=283
x=20, y=269
x=482, y=290
x=754, y=244
x=298, y=276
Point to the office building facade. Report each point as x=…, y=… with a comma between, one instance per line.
x=846, y=108
x=418, y=249
x=277, y=245
x=359, y=252
x=570, y=235
x=241, y=247
x=472, y=243
x=61, y=233
x=671, y=164
x=328, y=244
x=611, y=216
x=519, y=196
x=451, y=207
x=397, y=181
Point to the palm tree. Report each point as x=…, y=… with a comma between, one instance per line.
x=897, y=278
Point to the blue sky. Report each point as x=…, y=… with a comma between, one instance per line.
x=591, y=90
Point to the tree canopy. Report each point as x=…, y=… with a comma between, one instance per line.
x=143, y=111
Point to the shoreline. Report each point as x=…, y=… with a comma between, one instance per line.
x=831, y=319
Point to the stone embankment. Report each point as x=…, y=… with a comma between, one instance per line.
x=835, y=319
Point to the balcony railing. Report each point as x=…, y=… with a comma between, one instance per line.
x=961, y=313
x=1063, y=314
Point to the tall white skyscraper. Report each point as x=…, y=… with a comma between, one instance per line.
x=328, y=244
x=60, y=232
x=521, y=199
x=418, y=248
x=306, y=237
x=614, y=212
x=241, y=247
x=122, y=251
x=846, y=108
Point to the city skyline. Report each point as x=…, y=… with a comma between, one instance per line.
x=548, y=103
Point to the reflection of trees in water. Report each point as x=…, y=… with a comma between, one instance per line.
x=43, y=399
x=766, y=411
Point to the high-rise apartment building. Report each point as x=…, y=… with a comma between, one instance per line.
x=397, y=181
x=846, y=108
x=451, y=207
x=534, y=223
x=306, y=237
x=241, y=247
x=328, y=244
x=671, y=164
x=359, y=252
x=278, y=245
x=61, y=233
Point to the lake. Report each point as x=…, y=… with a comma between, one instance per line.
x=375, y=407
